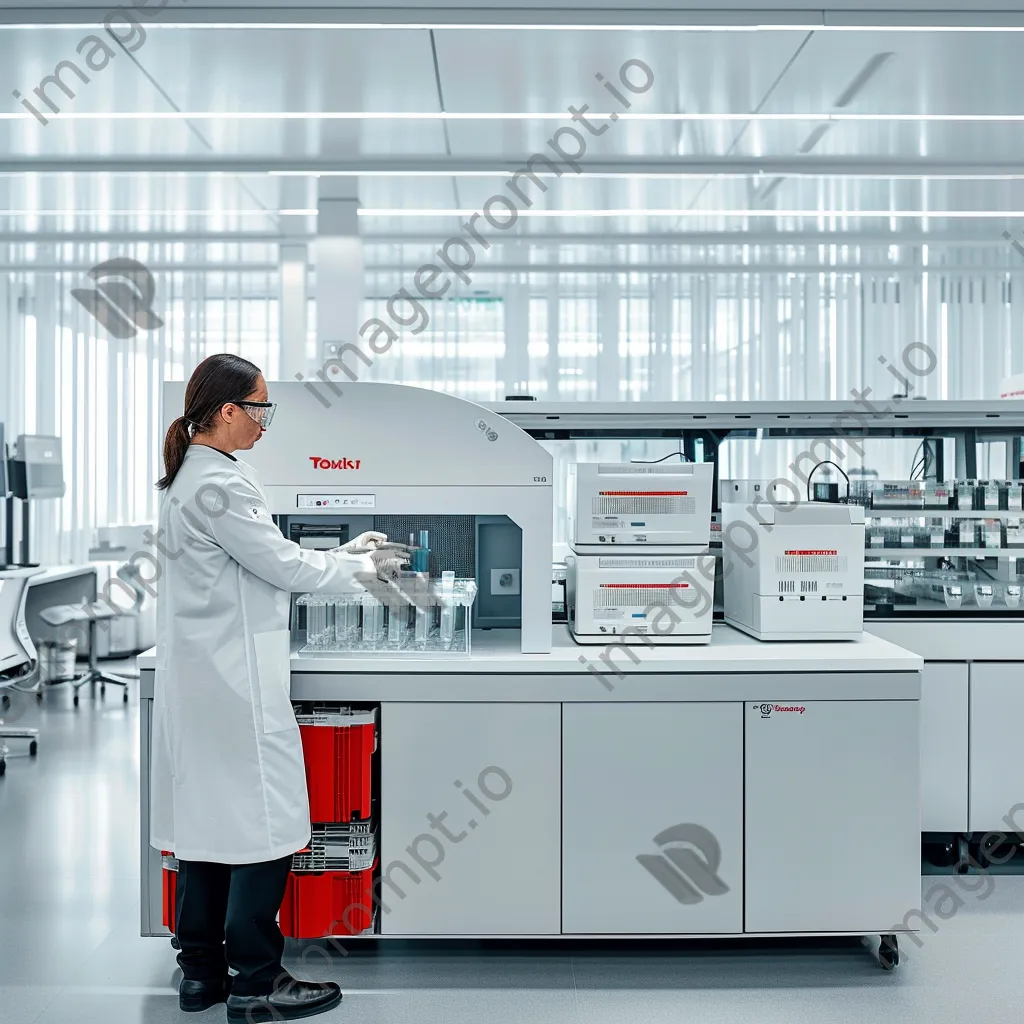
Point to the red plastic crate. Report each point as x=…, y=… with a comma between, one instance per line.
x=338, y=751
x=170, y=889
x=332, y=903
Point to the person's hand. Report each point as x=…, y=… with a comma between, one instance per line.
x=365, y=542
x=389, y=561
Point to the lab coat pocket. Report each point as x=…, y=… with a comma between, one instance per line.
x=273, y=671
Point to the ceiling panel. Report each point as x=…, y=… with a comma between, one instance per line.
x=251, y=70
x=929, y=73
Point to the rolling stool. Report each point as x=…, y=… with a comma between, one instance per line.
x=19, y=656
x=72, y=614
x=9, y=732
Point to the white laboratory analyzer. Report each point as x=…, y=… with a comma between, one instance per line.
x=794, y=571
x=641, y=570
x=476, y=512
x=640, y=506
x=661, y=599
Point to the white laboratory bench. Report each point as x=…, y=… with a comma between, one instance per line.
x=797, y=758
x=972, y=697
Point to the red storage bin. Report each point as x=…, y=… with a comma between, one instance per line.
x=338, y=747
x=170, y=888
x=331, y=903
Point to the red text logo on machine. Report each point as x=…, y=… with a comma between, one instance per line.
x=334, y=463
x=767, y=709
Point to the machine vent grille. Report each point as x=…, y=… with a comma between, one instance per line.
x=808, y=586
x=641, y=597
x=647, y=563
x=788, y=565
x=644, y=506
x=452, y=540
x=639, y=469
x=787, y=586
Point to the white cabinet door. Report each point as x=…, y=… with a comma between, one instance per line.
x=833, y=816
x=652, y=818
x=945, y=699
x=469, y=819
x=997, y=769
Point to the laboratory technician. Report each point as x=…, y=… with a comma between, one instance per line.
x=228, y=784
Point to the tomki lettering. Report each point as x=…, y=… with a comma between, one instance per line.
x=334, y=463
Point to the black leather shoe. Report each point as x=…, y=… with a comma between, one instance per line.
x=291, y=1001
x=196, y=996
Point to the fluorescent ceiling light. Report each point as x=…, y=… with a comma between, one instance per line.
x=71, y=212
x=893, y=214
x=440, y=115
x=443, y=26
x=626, y=175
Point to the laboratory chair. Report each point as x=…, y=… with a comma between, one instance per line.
x=61, y=615
x=18, y=661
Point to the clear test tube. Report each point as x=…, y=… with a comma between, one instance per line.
x=396, y=624
x=316, y=622
x=351, y=627
x=330, y=624
x=423, y=611
x=373, y=622
x=447, y=610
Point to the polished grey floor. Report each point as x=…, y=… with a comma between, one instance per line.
x=70, y=952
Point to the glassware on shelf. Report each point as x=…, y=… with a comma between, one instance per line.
x=416, y=615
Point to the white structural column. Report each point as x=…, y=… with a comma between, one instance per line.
x=661, y=383
x=293, y=278
x=339, y=280
x=554, y=329
x=294, y=290
x=609, y=365
x=515, y=364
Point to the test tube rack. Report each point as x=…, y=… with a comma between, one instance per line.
x=412, y=616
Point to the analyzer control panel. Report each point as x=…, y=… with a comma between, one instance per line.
x=336, y=501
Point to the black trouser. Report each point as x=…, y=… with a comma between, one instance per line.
x=227, y=915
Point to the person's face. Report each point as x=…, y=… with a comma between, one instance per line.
x=243, y=430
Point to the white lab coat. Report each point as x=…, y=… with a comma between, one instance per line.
x=228, y=783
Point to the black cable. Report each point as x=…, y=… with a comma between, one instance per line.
x=913, y=460
x=981, y=568
x=828, y=462
x=654, y=462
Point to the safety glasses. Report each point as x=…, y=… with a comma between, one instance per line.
x=261, y=412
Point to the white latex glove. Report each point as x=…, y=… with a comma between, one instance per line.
x=369, y=540
x=388, y=563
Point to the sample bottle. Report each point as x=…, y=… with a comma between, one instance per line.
x=420, y=555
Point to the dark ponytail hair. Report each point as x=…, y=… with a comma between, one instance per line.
x=216, y=381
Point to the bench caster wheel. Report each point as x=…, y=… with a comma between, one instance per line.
x=124, y=699
x=76, y=700
x=33, y=749
x=39, y=697
x=3, y=768
x=103, y=691
x=888, y=953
